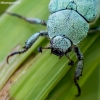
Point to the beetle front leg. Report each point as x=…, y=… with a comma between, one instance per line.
x=79, y=68
x=30, y=20
x=29, y=43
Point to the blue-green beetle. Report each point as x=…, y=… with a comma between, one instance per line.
x=67, y=25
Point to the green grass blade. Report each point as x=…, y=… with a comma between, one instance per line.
x=14, y=32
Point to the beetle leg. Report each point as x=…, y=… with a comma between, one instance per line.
x=95, y=29
x=29, y=43
x=30, y=20
x=71, y=63
x=79, y=68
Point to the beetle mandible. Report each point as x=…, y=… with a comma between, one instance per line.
x=67, y=25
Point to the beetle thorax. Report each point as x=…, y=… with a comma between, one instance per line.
x=68, y=23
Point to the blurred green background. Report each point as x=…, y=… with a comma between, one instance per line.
x=3, y=7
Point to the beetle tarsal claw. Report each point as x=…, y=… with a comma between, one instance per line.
x=8, y=59
x=78, y=87
x=14, y=53
x=10, y=56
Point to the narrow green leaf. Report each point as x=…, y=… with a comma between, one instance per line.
x=14, y=32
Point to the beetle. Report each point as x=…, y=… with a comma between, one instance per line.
x=68, y=24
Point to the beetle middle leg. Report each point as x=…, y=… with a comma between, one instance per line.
x=79, y=68
x=95, y=29
x=29, y=43
x=30, y=20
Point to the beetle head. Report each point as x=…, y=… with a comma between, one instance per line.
x=60, y=45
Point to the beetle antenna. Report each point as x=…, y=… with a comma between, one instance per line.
x=78, y=87
x=40, y=48
x=14, y=53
